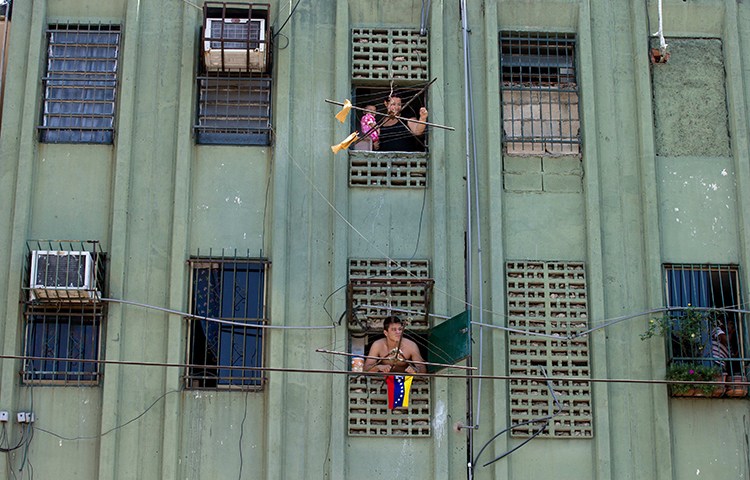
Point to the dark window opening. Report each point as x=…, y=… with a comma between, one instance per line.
x=66, y=342
x=225, y=354
x=392, y=138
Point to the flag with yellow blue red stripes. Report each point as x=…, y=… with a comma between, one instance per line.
x=399, y=387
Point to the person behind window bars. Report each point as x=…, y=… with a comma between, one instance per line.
x=394, y=351
x=369, y=130
x=397, y=135
x=721, y=347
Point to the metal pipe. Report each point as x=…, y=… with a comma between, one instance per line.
x=467, y=236
x=480, y=276
x=423, y=18
x=660, y=33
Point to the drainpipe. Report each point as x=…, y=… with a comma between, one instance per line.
x=468, y=240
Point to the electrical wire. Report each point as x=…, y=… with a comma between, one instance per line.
x=545, y=420
x=287, y=19
x=100, y=435
x=218, y=320
x=349, y=373
x=242, y=434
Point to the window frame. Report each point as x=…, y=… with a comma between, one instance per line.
x=88, y=315
x=696, y=293
x=204, y=375
x=207, y=133
x=525, y=74
x=219, y=120
x=97, y=76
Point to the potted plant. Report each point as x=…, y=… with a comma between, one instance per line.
x=688, y=329
x=694, y=372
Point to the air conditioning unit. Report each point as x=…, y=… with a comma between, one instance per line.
x=235, y=44
x=61, y=275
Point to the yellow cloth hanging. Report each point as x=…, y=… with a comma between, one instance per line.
x=346, y=143
x=341, y=116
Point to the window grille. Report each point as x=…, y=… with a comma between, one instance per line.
x=64, y=343
x=234, y=110
x=385, y=54
x=705, y=287
x=539, y=94
x=224, y=355
x=405, y=285
x=62, y=322
x=549, y=298
x=370, y=169
x=369, y=414
x=80, y=84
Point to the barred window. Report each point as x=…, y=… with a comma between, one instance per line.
x=80, y=84
x=234, y=110
x=234, y=82
x=224, y=353
x=63, y=317
x=539, y=93
x=699, y=335
x=65, y=343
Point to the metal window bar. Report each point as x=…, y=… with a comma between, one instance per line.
x=234, y=110
x=61, y=265
x=237, y=36
x=80, y=84
x=64, y=336
x=539, y=93
x=704, y=287
x=227, y=288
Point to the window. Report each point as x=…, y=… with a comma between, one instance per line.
x=539, y=94
x=62, y=315
x=403, y=285
x=234, y=110
x=234, y=84
x=700, y=287
x=549, y=298
x=68, y=339
x=223, y=355
x=80, y=84
x=389, y=62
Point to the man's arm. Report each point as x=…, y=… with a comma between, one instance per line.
x=412, y=353
x=419, y=128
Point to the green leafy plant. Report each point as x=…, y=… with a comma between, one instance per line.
x=692, y=372
x=686, y=328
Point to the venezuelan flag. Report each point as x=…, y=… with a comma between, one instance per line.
x=399, y=387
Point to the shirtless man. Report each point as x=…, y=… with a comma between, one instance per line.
x=395, y=352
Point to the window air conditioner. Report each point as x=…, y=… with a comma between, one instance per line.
x=243, y=50
x=61, y=275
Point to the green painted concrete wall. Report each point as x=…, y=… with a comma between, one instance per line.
x=646, y=191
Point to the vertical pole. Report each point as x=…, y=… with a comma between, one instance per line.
x=467, y=241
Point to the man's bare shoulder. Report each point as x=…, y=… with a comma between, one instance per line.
x=378, y=346
x=409, y=345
